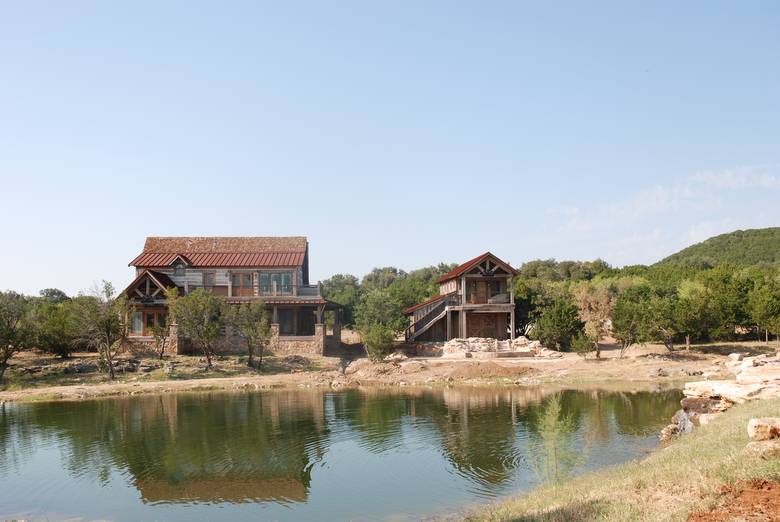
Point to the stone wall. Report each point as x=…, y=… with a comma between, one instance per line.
x=293, y=345
x=233, y=344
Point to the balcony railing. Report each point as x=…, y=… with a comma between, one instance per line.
x=309, y=291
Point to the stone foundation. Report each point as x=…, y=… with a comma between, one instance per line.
x=233, y=344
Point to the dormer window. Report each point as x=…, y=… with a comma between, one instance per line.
x=178, y=269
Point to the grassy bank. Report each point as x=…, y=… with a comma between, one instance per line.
x=686, y=477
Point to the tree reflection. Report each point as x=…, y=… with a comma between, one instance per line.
x=551, y=450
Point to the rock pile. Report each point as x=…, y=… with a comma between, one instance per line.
x=756, y=378
x=519, y=347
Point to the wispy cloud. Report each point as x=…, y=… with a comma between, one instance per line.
x=655, y=221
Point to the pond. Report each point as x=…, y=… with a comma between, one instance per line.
x=374, y=454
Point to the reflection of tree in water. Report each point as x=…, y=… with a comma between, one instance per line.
x=551, y=448
x=180, y=448
x=376, y=416
x=240, y=447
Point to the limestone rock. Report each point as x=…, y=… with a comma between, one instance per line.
x=658, y=372
x=765, y=449
x=765, y=428
x=727, y=390
x=669, y=433
x=704, y=405
x=766, y=373
x=736, y=356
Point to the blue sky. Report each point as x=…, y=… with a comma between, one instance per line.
x=389, y=133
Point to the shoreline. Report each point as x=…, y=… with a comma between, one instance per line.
x=644, y=371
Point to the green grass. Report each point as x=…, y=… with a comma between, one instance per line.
x=685, y=477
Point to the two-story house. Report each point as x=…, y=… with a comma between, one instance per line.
x=476, y=299
x=239, y=269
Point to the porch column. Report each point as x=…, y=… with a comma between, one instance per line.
x=463, y=324
x=449, y=325
x=514, y=307
x=512, y=325
x=276, y=315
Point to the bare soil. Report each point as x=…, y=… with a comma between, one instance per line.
x=755, y=501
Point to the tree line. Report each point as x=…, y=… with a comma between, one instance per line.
x=100, y=321
x=672, y=304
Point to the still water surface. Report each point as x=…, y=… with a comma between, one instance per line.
x=310, y=455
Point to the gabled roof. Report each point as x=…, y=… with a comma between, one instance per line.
x=223, y=251
x=468, y=265
x=161, y=280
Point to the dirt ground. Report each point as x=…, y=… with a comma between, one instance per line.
x=757, y=501
x=35, y=376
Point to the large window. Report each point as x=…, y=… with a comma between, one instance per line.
x=142, y=321
x=286, y=322
x=275, y=283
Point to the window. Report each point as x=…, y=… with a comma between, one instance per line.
x=209, y=279
x=495, y=288
x=137, y=323
x=242, y=284
x=161, y=319
x=286, y=322
x=275, y=283
x=178, y=269
x=265, y=283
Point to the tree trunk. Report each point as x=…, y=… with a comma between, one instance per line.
x=110, y=364
x=766, y=336
x=598, y=350
x=207, y=353
x=688, y=342
x=260, y=352
x=3, y=366
x=251, y=353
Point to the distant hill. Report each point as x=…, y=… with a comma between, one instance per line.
x=742, y=248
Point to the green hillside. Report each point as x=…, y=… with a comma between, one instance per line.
x=742, y=248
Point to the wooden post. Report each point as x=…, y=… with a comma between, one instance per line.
x=449, y=325
x=512, y=325
x=463, y=324
x=512, y=302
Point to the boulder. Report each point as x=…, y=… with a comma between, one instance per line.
x=764, y=449
x=682, y=419
x=546, y=352
x=736, y=356
x=765, y=428
x=668, y=433
x=729, y=391
x=658, y=372
x=704, y=405
x=764, y=374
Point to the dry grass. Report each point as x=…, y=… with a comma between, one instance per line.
x=667, y=486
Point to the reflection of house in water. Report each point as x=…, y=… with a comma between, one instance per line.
x=242, y=448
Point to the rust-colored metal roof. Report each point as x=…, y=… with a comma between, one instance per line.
x=468, y=265
x=223, y=251
x=425, y=303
